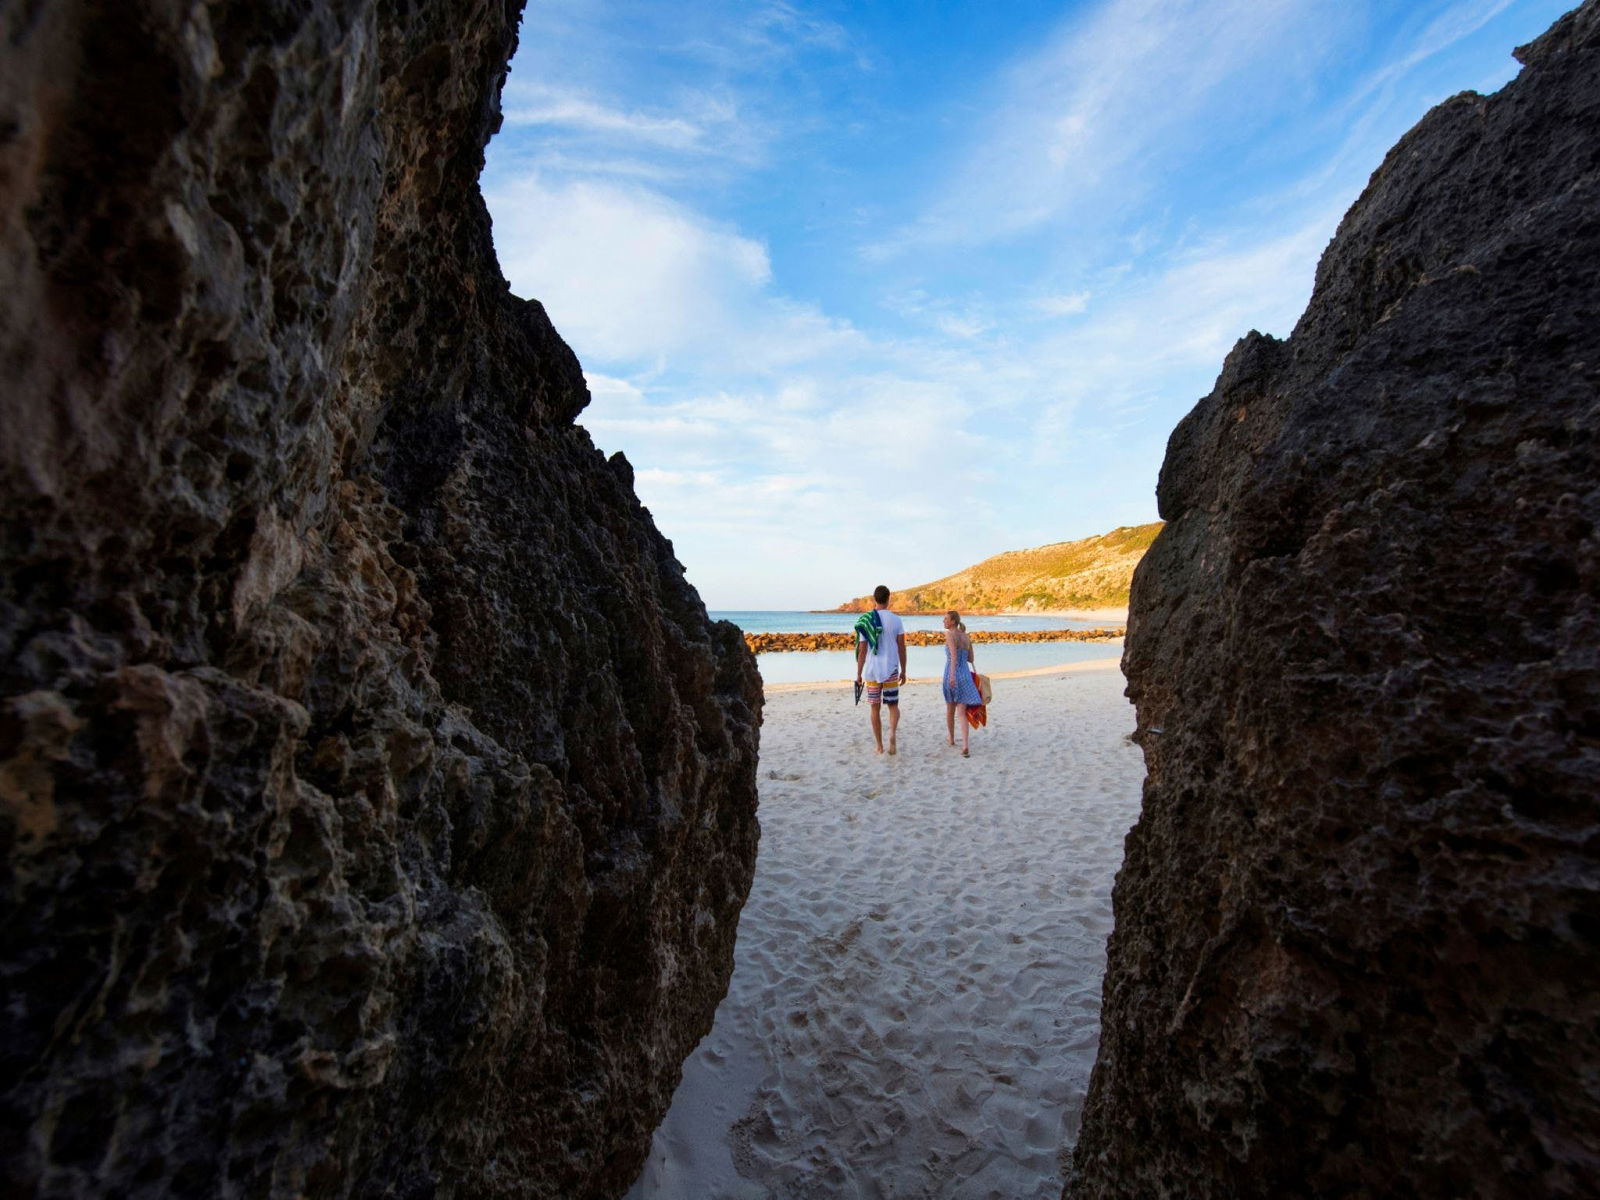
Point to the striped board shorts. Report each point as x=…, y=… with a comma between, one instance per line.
x=887, y=692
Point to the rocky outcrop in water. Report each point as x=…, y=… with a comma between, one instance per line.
x=777, y=643
x=376, y=799
x=1357, y=926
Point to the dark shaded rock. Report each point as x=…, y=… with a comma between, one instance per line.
x=1357, y=928
x=376, y=799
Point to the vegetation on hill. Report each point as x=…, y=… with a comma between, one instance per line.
x=1092, y=573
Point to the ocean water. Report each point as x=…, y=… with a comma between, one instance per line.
x=922, y=662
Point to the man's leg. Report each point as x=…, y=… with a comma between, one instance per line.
x=891, y=698
x=875, y=709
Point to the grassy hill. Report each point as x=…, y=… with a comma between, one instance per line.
x=1092, y=573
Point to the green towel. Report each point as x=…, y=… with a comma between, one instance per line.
x=870, y=626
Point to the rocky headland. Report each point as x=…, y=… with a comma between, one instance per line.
x=376, y=800
x=773, y=643
x=1091, y=573
x=1359, y=918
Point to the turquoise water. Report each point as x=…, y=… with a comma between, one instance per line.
x=921, y=661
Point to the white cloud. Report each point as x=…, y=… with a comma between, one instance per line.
x=965, y=327
x=633, y=278
x=1449, y=27
x=1068, y=304
x=767, y=33
x=626, y=274
x=547, y=107
x=1158, y=343
x=782, y=493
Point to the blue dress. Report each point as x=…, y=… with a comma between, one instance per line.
x=965, y=691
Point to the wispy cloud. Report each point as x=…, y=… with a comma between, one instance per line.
x=1443, y=31
x=1067, y=304
x=564, y=110
x=1112, y=102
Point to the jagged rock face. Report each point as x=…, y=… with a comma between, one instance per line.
x=377, y=801
x=1357, y=924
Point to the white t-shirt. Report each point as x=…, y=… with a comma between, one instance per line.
x=885, y=661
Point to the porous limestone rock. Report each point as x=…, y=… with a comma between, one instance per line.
x=376, y=799
x=1357, y=927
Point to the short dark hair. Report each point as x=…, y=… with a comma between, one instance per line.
x=880, y=594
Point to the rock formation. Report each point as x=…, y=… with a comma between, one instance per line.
x=378, y=801
x=1357, y=926
x=1092, y=572
x=780, y=643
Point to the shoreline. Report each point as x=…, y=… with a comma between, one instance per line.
x=1116, y=615
x=1093, y=664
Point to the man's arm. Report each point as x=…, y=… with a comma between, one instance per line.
x=861, y=655
x=900, y=640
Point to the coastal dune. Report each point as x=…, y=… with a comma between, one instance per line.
x=914, y=1008
x=1089, y=575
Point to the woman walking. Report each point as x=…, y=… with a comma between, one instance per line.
x=960, y=692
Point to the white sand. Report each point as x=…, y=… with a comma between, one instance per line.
x=914, y=1007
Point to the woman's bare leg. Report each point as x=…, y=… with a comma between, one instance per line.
x=961, y=719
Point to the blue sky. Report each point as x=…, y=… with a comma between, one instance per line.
x=869, y=291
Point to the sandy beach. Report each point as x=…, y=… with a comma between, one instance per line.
x=1111, y=616
x=914, y=1008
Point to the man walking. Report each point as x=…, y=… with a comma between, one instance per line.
x=881, y=654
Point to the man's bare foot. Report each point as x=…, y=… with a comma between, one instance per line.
x=891, y=745
x=877, y=749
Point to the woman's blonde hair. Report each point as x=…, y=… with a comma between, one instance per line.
x=955, y=617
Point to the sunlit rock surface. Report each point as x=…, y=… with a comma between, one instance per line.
x=376, y=799
x=1357, y=928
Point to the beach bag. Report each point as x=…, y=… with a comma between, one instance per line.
x=985, y=691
